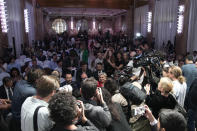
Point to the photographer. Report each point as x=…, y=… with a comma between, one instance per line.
x=98, y=115
x=64, y=111
x=169, y=120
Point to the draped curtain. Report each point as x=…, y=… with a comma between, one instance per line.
x=165, y=22
x=192, y=29
x=15, y=24
x=140, y=20
x=31, y=34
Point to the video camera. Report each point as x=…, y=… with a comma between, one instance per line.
x=147, y=59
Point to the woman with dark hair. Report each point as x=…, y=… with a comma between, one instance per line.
x=119, y=122
x=119, y=61
x=125, y=59
x=15, y=75
x=109, y=62
x=112, y=86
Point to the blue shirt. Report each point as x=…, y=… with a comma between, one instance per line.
x=22, y=90
x=13, y=65
x=52, y=65
x=190, y=73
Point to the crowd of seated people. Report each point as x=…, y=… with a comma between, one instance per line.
x=74, y=83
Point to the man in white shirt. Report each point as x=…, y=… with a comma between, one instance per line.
x=46, y=87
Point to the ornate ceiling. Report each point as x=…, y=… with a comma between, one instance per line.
x=98, y=12
x=109, y=4
x=102, y=8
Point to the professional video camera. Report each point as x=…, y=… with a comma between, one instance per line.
x=151, y=63
x=123, y=76
x=147, y=59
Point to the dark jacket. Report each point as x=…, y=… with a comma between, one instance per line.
x=190, y=73
x=79, y=73
x=88, y=126
x=108, y=68
x=100, y=116
x=157, y=102
x=3, y=94
x=122, y=124
x=154, y=127
x=191, y=99
x=75, y=86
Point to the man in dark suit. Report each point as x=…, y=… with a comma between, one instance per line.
x=99, y=69
x=83, y=69
x=68, y=81
x=6, y=94
x=6, y=91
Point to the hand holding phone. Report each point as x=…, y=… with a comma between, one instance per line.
x=100, y=95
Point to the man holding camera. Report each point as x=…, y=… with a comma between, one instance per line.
x=68, y=114
x=99, y=115
x=169, y=120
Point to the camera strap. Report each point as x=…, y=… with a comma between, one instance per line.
x=35, y=121
x=141, y=73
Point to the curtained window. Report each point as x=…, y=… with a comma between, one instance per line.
x=165, y=22
x=192, y=29
x=140, y=21
x=15, y=24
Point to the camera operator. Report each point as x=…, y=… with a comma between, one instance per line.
x=137, y=71
x=169, y=120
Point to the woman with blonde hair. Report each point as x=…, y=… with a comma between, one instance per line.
x=162, y=98
x=179, y=84
x=102, y=79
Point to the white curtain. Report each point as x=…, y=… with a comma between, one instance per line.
x=15, y=24
x=165, y=22
x=140, y=20
x=192, y=29
x=31, y=34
